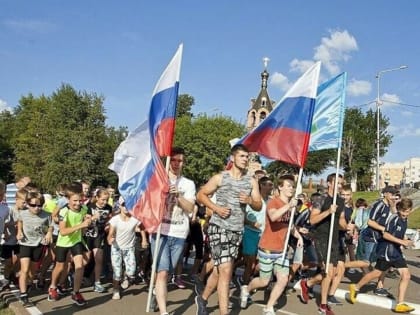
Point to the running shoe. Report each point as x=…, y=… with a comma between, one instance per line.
x=332, y=300
x=78, y=299
x=353, y=293
x=53, y=294
x=325, y=310
x=98, y=287
x=403, y=308
x=304, y=297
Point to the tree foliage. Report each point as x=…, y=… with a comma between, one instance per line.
x=184, y=105
x=206, y=141
x=358, y=153
x=62, y=138
x=7, y=121
x=316, y=163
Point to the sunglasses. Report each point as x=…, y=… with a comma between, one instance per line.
x=34, y=205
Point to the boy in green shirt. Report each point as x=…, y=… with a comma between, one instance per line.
x=72, y=220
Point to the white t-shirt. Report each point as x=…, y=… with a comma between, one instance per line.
x=176, y=222
x=125, y=234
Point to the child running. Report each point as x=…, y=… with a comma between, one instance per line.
x=389, y=254
x=122, y=237
x=72, y=220
x=34, y=230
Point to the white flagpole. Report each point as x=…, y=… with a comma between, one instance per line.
x=333, y=214
x=292, y=214
x=155, y=254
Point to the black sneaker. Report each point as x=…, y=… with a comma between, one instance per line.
x=141, y=278
x=394, y=274
x=332, y=300
x=61, y=290
x=383, y=292
x=24, y=300
x=201, y=305
x=198, y=285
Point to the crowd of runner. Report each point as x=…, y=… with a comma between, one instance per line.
x=248, y=228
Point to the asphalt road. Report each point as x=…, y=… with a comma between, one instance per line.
x=182, y=301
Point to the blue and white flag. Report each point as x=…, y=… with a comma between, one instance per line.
x=328, y=119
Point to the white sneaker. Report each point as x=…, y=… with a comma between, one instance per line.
x=125, y=284
x=244, y=296
x=116, y=295
x=268, y=311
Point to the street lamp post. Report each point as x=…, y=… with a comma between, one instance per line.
x=378, y=103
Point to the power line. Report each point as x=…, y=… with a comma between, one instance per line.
x=402, y=104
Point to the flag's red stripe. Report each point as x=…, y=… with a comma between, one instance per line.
x=270, y=143
x=150, y=207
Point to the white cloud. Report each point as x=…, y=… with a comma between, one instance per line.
x=332, y=51
x=300, y=66
x=390, y=99
x=335, y=49
x=408, y=130
x=280, y=80
x=4, y=106
x=22, y=25
x=358, y=87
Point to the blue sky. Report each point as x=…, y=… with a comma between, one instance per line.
x=118, y=49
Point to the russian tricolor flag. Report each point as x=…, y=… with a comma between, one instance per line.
x=284, y=134
x=142, y=178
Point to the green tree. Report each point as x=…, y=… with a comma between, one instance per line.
x=206, y=141
x=62, y=138
x=7, y=121
x=316, y=163
x=184, y=105
x=359, y=145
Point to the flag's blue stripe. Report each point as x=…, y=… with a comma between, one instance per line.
x=291, y=113
x=158, y=113
x=132, y=189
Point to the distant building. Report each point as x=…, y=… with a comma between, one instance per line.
x=391, y=174
x=411, y=172
x=403, y=173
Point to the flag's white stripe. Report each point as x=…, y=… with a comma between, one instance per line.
x=305, y=86
x=171, y=73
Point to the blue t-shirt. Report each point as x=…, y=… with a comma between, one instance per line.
x=379, y=213
x=391, y=251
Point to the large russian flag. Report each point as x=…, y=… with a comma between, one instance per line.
x=143, y=181
x=284, y=134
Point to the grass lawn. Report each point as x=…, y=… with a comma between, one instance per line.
x=371, y=196
x=6, y=311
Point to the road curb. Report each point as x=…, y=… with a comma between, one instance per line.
x=369, y=299
x=11, y=299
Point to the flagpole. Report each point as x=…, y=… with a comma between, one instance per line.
x=292, y=214
x=155, y=254
x=333, y=214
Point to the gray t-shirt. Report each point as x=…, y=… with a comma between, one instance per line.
x=125, y=234
x=227, y=195
x=35, y=226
